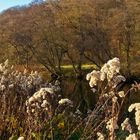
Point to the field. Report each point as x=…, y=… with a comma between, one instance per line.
x=32, y=108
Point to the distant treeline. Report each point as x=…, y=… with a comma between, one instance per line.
x=76, y=32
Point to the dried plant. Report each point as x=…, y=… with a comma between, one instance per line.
x=34, y=109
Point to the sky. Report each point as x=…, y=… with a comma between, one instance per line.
x=5, y=4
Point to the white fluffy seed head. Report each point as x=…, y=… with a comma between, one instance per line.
x=21, y=138
x=121, y=94
x=132, y=137
x=65, y=101
x=108, y=71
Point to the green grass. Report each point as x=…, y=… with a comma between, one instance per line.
x=85, y=66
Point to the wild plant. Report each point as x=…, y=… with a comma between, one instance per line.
x=34, y=109
x=103, y=122
x=30, y=107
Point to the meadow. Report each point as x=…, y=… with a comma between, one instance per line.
x=35, y=109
